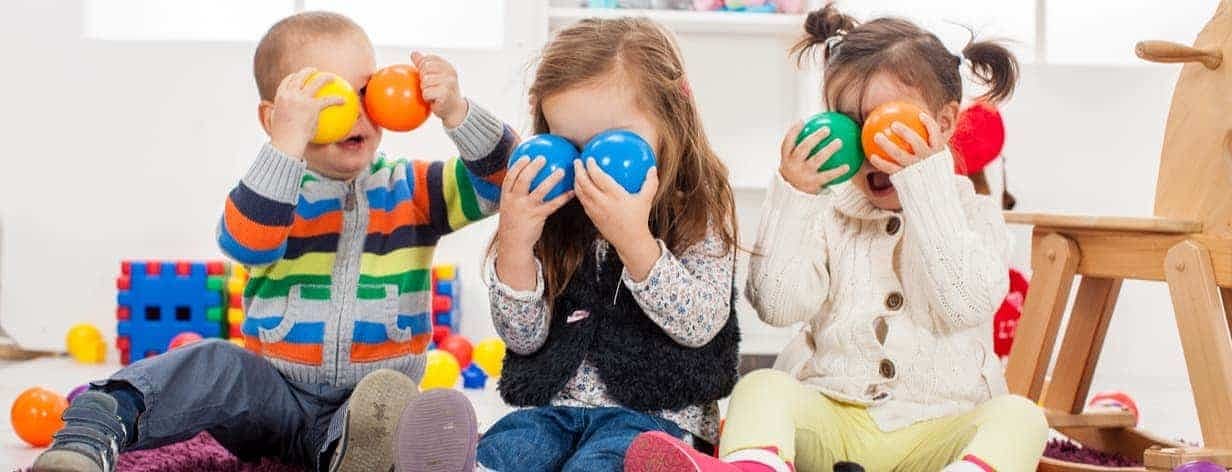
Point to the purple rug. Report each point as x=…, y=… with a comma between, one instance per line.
x=201, y=453
x=1069, y=451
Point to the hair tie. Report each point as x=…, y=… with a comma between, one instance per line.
x=833, y=42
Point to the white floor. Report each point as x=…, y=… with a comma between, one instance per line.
x=61, y=374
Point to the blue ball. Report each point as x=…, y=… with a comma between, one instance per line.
x=559, y=153
x=623, y=155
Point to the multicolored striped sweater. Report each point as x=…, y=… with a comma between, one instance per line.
x=340, y=271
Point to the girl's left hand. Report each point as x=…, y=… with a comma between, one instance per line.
x=622, y=218
x=936, y=143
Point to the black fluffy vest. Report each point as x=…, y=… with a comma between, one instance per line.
x=641, y=366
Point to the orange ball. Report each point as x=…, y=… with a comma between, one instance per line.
x=393, y=98
x=880, y=120
x=36, y=415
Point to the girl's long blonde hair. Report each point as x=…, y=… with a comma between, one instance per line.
x=694, y=193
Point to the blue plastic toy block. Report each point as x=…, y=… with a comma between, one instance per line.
x=444, y=319
x=160, y=305
x=450, y=288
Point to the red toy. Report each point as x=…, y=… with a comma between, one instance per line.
x=459, y=347
x=439, y=333
x=979, y=136
x=393, y=100
x=1115, y=399
x=1006, y=320
x=183, y=339
x=36, y=415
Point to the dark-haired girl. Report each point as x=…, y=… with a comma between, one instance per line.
x=896, y=275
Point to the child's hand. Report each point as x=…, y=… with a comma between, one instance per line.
x=293, y=121
x=622, y=218
x=522, y=209
x=438, y=82
x=935, y=144
x=799, y=169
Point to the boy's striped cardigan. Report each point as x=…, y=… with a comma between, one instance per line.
x=340, y=271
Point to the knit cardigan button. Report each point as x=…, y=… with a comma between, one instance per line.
x=894, y=301
x=887, y=368
x=893, y=225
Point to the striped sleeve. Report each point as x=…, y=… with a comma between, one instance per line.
x=463, y=190
x=259, y=211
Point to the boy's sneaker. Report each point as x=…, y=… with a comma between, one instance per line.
x=88, y=440
x=437, y=433
x=371, y=419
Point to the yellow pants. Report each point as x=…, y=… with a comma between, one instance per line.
x=769, y=408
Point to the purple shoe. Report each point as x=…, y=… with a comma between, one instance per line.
x=437, y=433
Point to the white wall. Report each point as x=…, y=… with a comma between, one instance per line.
x=126, y=150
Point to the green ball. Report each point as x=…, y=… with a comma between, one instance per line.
x=841, y=127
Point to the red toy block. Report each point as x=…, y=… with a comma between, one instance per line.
x=183, y=268
x=152, y=268
x=441, y=303
x=125, y=359
x=126, y=267
x=123, y=314
x=236, y=332
x=237, y=302
x=122, y=343
x=215, y=268
x=439, y=333
x=124, y=282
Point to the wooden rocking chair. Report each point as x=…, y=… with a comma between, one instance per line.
x=1187, y=244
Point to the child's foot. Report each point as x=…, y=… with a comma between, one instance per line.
x=659, y=452
x=89, y=440
x=371, y=419
x=437, y=433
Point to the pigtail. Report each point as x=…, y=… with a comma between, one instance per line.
x=820, y=27
x=995, y=66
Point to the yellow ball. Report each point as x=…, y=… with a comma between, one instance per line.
x=85, y=343
x=490, y=356
x=335, y=122
x=442, y=371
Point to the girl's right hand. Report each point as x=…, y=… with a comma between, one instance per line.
x=799, y=169
x=522, y=209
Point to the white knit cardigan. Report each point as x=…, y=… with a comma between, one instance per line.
x=898, y=307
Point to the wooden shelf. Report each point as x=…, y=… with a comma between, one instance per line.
x=1111, y=223
x=686, y=21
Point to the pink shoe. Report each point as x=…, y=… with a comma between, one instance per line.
x=659, y=452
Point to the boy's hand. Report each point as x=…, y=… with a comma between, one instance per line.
x=438, y=82
x=799, y=169
x=922, y=150
x=293, y=121
x=622, y=218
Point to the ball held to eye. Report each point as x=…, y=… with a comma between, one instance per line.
x=560, y=154
x=393, y=98
x=841, y=128
x=623, y=155
x=879, y=121
x=335, y=122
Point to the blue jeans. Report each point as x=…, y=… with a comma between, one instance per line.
x=239, y=398
x=566, y=438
